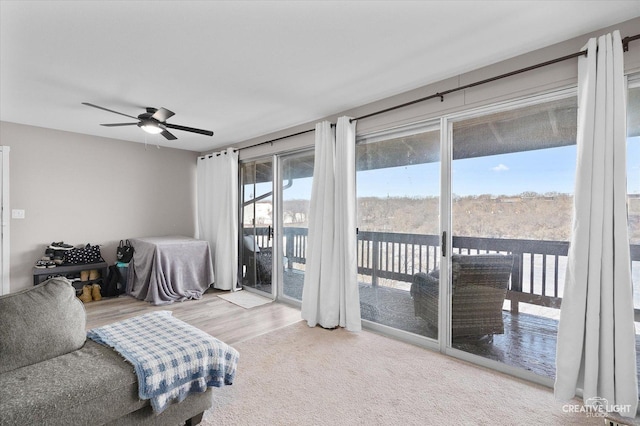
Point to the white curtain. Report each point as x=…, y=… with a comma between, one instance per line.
x=596, y=335
x=330, y=294
x=217, y=198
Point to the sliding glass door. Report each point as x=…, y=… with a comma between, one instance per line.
x=512, y=182
x=463, y=228
x=398, y=187
x=256, y=245
x=296, y=175
x=275, y=225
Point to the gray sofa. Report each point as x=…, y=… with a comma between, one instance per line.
x=50, y=374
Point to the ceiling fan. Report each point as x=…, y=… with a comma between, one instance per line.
x=153, y=121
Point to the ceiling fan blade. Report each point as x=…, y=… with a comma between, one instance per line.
x=105, y=109
x=189, y=129
x=168, y=135
x=119, y=124
x=162, y=114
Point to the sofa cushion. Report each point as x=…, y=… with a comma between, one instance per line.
x=39, y=323
x=93, y=385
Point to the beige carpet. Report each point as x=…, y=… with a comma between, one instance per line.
x=310, y=376
x=245, y=299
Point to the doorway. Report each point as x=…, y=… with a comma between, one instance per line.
x=296, y=176
x=508, y=213
x=256, y=230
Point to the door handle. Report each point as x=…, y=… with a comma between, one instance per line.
x=444, y=244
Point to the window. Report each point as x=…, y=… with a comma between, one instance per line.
x=257, y=225
x=512, y=183
x=398, y=190
x=297, y=177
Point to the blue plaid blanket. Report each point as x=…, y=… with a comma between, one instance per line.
x=171, y=358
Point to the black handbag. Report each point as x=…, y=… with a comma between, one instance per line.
x=124, y=252
x=86, y=254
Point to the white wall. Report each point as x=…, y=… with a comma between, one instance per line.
x=85, y=189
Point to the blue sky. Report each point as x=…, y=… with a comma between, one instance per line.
x=549, y=170
x=541, y=171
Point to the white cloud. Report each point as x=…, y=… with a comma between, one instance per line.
x=500, y=168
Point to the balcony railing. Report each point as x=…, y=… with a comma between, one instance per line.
x=537, y=276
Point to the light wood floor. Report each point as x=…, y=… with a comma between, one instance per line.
x=223, y=320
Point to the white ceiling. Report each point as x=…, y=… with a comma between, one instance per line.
x=246, y=69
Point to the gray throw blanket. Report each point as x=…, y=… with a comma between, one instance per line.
x=169, y=269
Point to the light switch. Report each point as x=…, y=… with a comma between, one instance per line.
x=17, y=214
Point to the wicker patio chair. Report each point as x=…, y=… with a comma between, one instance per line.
x=258, y=262
x=479, y=288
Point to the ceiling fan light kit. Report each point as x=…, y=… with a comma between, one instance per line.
x=153, y=121
x=150, y=127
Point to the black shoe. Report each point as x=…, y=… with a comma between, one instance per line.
x=60, y=246
x=41, y=264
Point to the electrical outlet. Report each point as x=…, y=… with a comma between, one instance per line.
x=17, y=214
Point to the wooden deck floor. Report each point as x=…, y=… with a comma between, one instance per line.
x=529, y=341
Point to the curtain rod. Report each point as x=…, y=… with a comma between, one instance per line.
x=217, y=154
x=477, y=83
x=625, y=48
x=280, y=138
x=626, y=40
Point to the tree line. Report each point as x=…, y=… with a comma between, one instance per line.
x=524, y=216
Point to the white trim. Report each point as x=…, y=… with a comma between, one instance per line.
x=276, y=220
x=402, y=130
x=5, y=221
x=446, y=160
x=499, y=366
x=402, y=335
x=512, y=104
